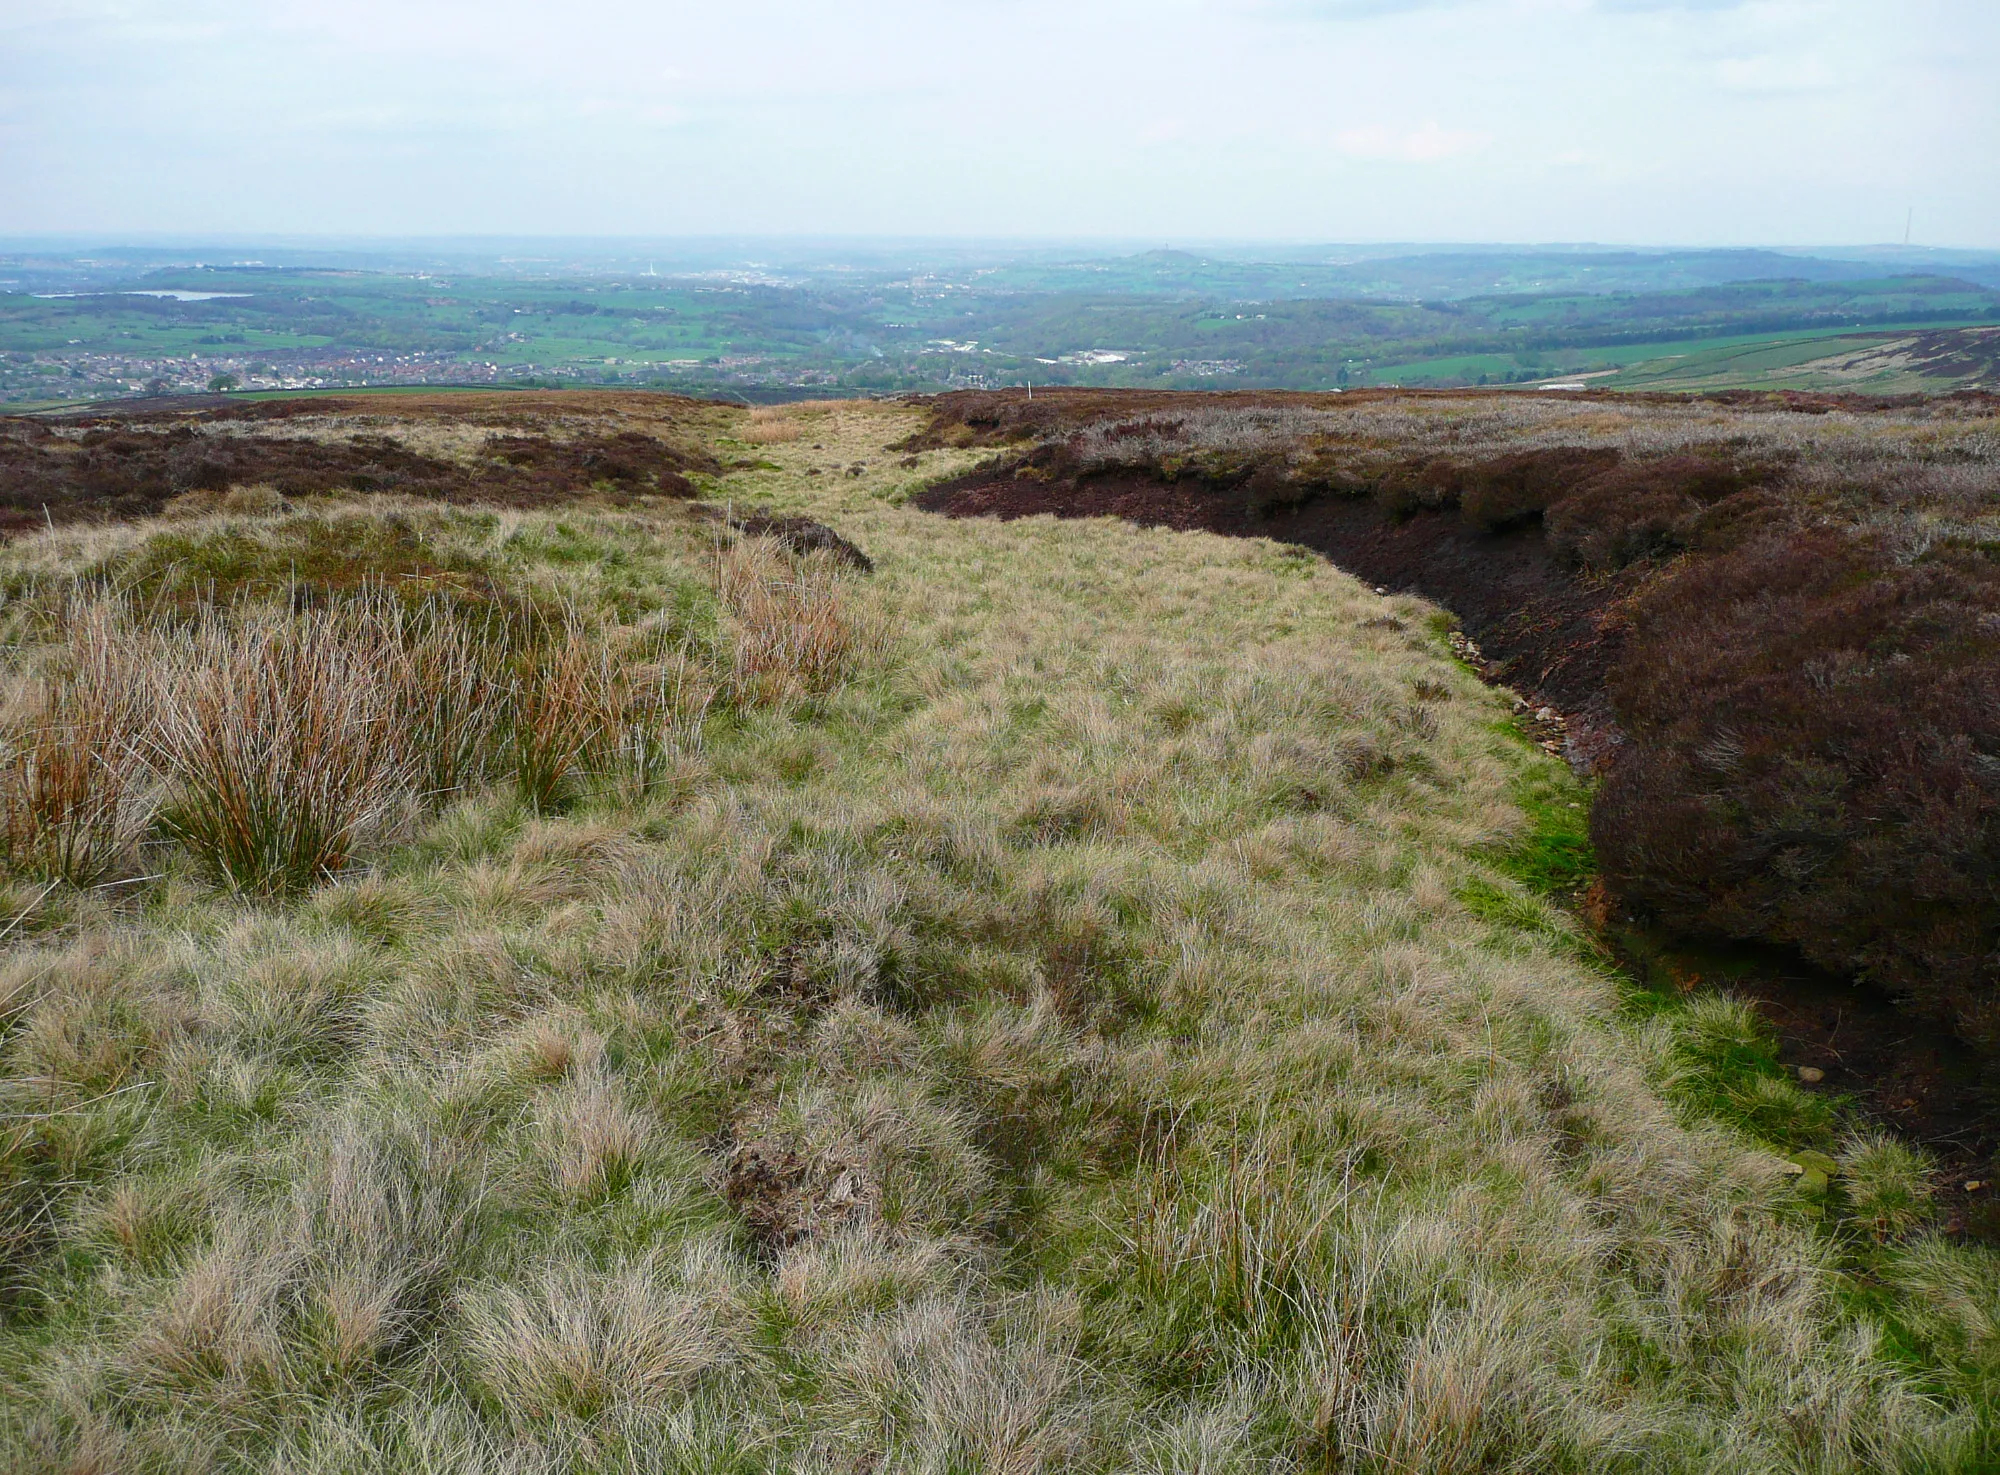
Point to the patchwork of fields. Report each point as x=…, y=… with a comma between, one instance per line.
x=928, y=319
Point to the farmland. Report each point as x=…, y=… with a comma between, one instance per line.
x=74, y=329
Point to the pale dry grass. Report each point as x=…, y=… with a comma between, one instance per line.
x=795, y=634
x=564, y=1341
x=770, y=425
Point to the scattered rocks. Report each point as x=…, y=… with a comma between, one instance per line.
x=1812, y=1075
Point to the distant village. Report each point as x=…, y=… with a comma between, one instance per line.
x=84, y=374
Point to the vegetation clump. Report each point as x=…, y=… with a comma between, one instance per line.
x=90, y=468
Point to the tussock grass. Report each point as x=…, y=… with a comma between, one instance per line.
x=75, y=794
x=771, y=425
x=794, y=634
x=282, y=744
x=1100, y=1027
x=566, y=706
x=566, y=1341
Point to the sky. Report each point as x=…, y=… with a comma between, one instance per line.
x=1669, y=122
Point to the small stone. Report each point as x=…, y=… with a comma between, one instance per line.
x=1812, y=1075
x=1814, y=1170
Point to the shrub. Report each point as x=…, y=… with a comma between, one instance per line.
x=1507, y=491
x=1641, y=508
x=1420, y=486
x=1814, y=760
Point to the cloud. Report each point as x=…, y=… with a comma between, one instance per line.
x=1424, y=145
x=1609, y=119
x=1343, y=9
x=1635, y=6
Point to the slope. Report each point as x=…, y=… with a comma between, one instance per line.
x=1077, y=998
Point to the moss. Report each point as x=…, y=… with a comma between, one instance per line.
x=1552, y=855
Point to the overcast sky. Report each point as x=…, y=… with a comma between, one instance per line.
x=1660, y=121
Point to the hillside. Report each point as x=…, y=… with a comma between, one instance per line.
x=1074, y=996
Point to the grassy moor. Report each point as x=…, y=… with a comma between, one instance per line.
x=598, y=932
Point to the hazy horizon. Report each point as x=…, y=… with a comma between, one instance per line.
x=1196, y=123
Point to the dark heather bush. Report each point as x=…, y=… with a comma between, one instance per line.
x=1420, y=486
x=1508, y=491
x=103, y=472
x=1641, y=509
x=1814, y=760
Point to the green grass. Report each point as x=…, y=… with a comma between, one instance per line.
x=1726, y=361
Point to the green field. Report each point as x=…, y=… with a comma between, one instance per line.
x=1730, y=361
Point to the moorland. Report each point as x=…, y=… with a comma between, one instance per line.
x=602, y=932
x=1773, y=622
